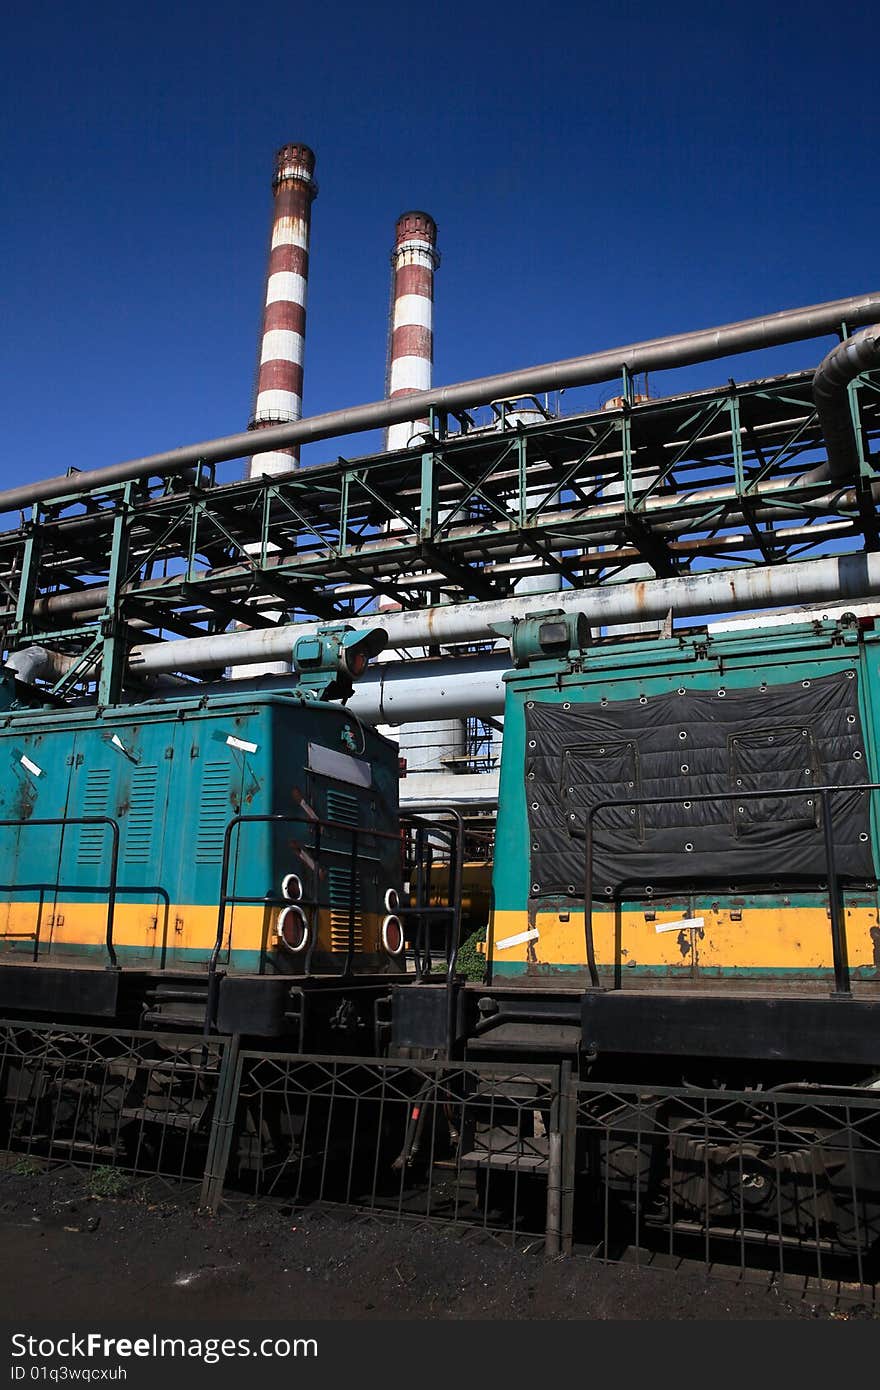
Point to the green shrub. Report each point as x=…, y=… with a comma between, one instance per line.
x=26, y=1167
x=107, y=1182
x=471, y=963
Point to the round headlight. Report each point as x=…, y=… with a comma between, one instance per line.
x=392, y=900
x=392, y=935
x=292, y=928
x=291, y=888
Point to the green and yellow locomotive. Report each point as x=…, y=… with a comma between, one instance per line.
x=686, y=852
x=195, y=851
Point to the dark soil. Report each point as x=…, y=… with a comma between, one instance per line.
x=69, y=1253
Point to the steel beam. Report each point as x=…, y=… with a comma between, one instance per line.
x=655, y=354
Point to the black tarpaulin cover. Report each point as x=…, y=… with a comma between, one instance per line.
x=803, y=735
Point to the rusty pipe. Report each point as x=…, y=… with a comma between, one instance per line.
x=720, y=591
x=654, y=354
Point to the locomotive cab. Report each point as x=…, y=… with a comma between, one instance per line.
x=243, y=841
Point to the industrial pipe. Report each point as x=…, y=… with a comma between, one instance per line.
x=404, y=692
x=655, y=354
x=412, y=691
x=39, y=663
x=837, y=577
x=842, y=365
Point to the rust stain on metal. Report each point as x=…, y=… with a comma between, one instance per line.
x=532, y=962
x=25, y=800
x=300, y=800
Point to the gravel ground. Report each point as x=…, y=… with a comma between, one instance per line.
x=71, y=1253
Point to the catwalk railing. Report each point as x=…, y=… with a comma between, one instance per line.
x=688, y=482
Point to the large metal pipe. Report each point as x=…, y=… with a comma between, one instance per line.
x=655, y=354
x=722, y=591
x=39, y=663
x=403, y=692
x=833, y=375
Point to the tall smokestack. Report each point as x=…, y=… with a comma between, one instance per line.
x=438, y=746
x=278, y=397
x=411, y=347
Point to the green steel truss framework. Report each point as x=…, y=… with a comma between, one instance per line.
x=692, y=482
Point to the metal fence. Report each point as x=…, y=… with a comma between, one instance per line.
x=140, y=1101
x=784, y=1180
x=457, y=1145
x=781, y=1181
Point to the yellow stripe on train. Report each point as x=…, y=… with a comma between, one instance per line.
x=148, y=927
x=790, y=939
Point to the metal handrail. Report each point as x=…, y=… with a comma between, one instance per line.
x=455, y=832
x=225, y=897
x=110, y=888
x=842, y=985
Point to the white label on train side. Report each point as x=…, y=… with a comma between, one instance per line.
x=508, y=941
x=31, y=767
x=241, y=743
x=683, y=924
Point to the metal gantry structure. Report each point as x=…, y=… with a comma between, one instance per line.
x=705, y=480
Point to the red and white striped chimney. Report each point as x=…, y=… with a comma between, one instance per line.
x=278, y=397
x=411, y=349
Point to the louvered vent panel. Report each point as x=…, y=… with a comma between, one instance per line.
x=339, y=888
x=342, y=808
x=215, y=813
x=141, y=814
x=93, y=838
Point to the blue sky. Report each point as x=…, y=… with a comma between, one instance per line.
x=599, y=174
